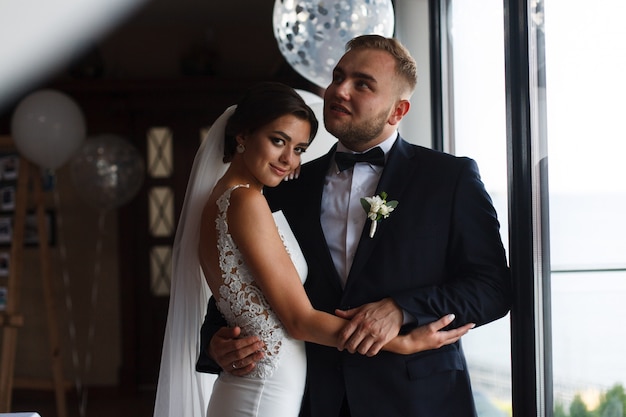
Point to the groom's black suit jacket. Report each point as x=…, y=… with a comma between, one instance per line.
x=439, y=252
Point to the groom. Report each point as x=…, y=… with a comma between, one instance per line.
x=438, y=252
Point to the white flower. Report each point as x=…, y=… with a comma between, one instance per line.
x=385, y=210
x=374, y=205
x=377, y=208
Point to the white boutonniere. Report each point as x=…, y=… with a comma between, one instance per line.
x=377, y=208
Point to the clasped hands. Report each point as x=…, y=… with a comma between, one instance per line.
x=369, y=328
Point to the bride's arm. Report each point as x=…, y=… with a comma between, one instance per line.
x=253, y=228
x=428, y=336
x=254, y=231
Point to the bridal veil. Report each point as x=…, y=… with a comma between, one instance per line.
x=181, y=391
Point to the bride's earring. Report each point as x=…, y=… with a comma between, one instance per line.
x=240, y=148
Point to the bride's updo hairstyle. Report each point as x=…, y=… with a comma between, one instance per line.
x=261, y=105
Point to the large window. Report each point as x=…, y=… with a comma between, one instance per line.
x=585, y=63
x=577, y=51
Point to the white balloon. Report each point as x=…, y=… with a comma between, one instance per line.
x=323, y=140
x=310, y=98
x=312, y=34
x=48, y=127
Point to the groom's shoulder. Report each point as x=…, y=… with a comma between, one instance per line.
x=430, y=156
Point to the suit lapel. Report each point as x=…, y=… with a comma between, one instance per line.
x=395, y=177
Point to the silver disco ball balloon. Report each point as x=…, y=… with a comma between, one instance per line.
x=107, y=171
x=312, y=35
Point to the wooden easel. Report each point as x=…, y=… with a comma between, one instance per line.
x=11, y=319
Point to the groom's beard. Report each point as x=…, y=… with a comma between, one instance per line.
x=353, y=134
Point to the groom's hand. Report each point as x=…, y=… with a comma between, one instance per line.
x=235, y=355
x=371, y=326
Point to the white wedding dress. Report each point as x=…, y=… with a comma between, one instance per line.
x=276, y=389
x=276, y=385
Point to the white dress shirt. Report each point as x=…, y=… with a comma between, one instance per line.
x=342, y=215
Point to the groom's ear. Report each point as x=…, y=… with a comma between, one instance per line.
x=401, y=109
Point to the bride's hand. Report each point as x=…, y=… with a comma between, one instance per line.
x=293, y=175
x=235, y=355
x=431, y=336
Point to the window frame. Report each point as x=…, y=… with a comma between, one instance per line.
x=531, y=361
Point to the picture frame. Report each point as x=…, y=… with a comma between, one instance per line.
x=31, y=235
x=5, y=258
x=6, y=229
x=3, y=298
x=9, y=166
x=7, y=197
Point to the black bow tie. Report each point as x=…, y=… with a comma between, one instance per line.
x=345, y=160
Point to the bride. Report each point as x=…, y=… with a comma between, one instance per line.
x=229, y=244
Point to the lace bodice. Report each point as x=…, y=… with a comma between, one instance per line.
x=240, y=299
